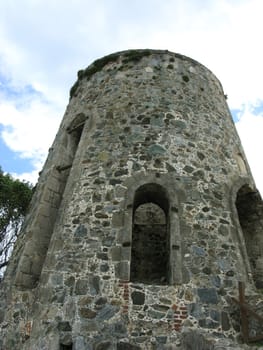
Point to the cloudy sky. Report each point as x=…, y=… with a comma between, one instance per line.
x=43, y=43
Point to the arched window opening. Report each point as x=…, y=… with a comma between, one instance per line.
x=150, y=236
x=250, y=209
x=75, y=135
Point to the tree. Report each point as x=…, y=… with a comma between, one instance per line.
x=15, y=196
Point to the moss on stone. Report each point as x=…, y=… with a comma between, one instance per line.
x=135, y=55
x=96, y=66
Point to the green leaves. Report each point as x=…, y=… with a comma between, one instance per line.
x=15, y=196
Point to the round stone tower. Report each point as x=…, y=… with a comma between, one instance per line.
x=145, y=216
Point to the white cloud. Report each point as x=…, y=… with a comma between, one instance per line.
x=30, y=177
x=29, y=132
x=250, y=129
x=47, y=42
x=44, y=44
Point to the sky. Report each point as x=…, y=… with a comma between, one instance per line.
x=43, y=43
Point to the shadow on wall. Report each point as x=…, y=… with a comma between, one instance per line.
x=250, y=213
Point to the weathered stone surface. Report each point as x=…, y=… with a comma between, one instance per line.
x=225, y=321
x=116, y=253
x=81, y=231
x=138, y=298
x=127, y=346
x=122, y=270
x=104, y=345
x=194, y=340
x=87, y=313
x=107, y=312
x=94, y=284
x=207, y=295
x=81, y=287
x=144, y=219
x=64, y=326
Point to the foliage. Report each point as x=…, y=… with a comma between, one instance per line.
x=15, y=196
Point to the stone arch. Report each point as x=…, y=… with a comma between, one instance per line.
x=169, y=203
x=150, y=235
x=65, y=347
x=74, y=132
x=249, y=208
x=241, y=164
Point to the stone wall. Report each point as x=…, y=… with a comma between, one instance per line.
x=145, y=132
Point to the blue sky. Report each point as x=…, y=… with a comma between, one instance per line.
x=44, y=43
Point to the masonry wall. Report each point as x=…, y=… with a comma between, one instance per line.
x=150, y=131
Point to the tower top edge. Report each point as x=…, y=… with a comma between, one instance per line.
x=130, y=55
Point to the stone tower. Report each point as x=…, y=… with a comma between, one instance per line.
x=144, y=219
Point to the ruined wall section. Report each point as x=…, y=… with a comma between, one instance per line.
x=19, y=287
x=154, y=121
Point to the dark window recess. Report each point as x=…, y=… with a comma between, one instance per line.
x=150, y=238
x=74, y=138
x=250, y=213
x=66, y=347
x=76, y=135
